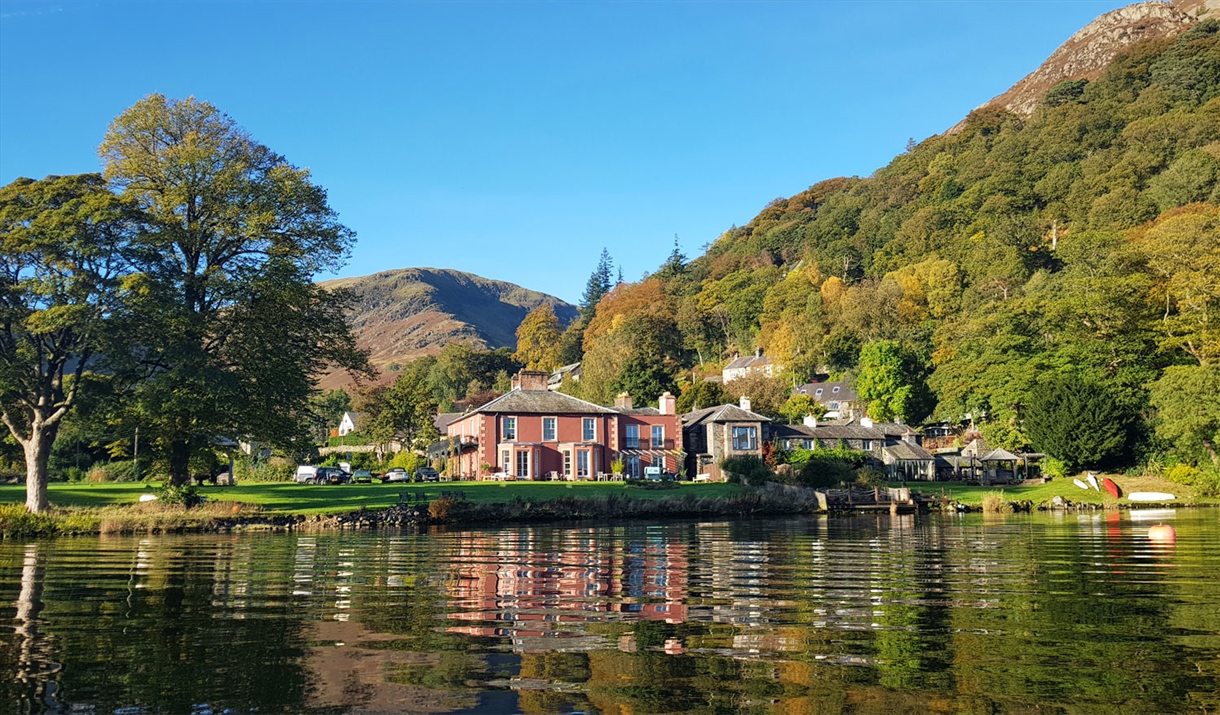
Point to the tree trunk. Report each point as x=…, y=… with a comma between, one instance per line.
x=37, y=451
x=180, y=462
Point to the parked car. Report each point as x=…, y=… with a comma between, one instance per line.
x=395, y=474
x=308, y=474
x=362, y=476
x=427, y=474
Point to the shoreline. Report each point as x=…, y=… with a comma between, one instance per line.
x=231, y=517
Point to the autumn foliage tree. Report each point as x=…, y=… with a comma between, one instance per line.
x=538, y=339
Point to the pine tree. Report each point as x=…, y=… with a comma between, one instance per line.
x=598, y=285
x=674, y=265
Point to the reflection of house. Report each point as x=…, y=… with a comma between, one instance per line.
x=347, y=425
x=535, y=433
x=893, y=446
x=838, y=398
x=716, y=433
x=756, y=364
x=529, y=595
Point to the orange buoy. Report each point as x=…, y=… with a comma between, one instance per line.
x=1162, y=532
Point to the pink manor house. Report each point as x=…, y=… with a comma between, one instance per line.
x=536, y=433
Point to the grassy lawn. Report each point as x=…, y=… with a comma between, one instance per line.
x=973, y=494
x=312, y=499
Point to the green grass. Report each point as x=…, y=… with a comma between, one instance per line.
x=972, y=494
x=291, y=498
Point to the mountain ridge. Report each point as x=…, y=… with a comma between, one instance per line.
x=405, y=313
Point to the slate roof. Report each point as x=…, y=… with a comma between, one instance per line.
x=828, y=393
x=907, y=451
x=746, y=361
x=721, y=413
x=839, y=431
x=651, y=411
x=444, y=419
x=556, y=377
x=542, y=402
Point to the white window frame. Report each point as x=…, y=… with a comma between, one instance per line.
x=554, y=429
x=632, y=436
x=632, y=466
x=509, y=428
x=582, y=470
x=567, y=462
x=506, y=460
x=588, y=429
x=518, y=463
x=751, y=438
x=658, y=442
x=868, y=445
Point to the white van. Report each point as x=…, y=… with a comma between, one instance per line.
x=306, y=474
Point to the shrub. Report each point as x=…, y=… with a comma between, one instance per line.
x=187, y=494
x=409, y=461
x=870, y=477
x=827, y=467
x=746, y=469
x=440, y=509
x=1182, y=474
x=123, y=471
x=1054, y=468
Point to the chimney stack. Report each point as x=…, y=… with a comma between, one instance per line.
x=757, y=352
x=668, y=404
x=811, y=421
x=866, y=421
x=745, y=403
x=623, y=401
x=530, y=380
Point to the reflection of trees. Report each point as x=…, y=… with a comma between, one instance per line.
x=162, y=648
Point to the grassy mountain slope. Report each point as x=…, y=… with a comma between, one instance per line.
x=409, y=312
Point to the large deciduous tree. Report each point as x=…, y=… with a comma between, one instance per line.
x=67, y=244
x=1187, y=401
x=538, y=339
x=893, y=382
x=236, y=330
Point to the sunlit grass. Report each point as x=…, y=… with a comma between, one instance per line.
x=292, y=498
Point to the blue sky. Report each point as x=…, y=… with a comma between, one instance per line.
x=515, y=140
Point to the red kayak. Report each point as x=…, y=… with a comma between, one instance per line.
x=1112, y=488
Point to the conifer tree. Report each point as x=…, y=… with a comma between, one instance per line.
x=599, y=284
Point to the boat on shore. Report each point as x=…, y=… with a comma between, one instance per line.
x=1150, y=496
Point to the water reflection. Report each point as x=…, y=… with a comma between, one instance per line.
x=872, y=615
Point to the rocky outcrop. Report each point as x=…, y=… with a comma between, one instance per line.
x=1087, y=53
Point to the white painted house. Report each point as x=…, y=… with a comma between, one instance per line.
x=347, y=425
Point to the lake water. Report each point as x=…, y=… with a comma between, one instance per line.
x=817, y=616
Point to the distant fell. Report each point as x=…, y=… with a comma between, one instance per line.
x=408, y=312
x=1089, y=51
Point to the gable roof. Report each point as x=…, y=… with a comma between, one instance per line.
x=444, y=419
x=838, y=390
x=721, y=413
x=748, y=361
x=1000, y=455
x=907, y=451
x=541, y=402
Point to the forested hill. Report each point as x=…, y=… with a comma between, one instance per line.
x=1081, y=236
x=409, y=312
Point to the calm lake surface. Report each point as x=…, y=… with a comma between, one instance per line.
x=1017, y=614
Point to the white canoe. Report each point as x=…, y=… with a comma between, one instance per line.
x=1150, y=496
x=1093, y=482
x=1080, y=484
